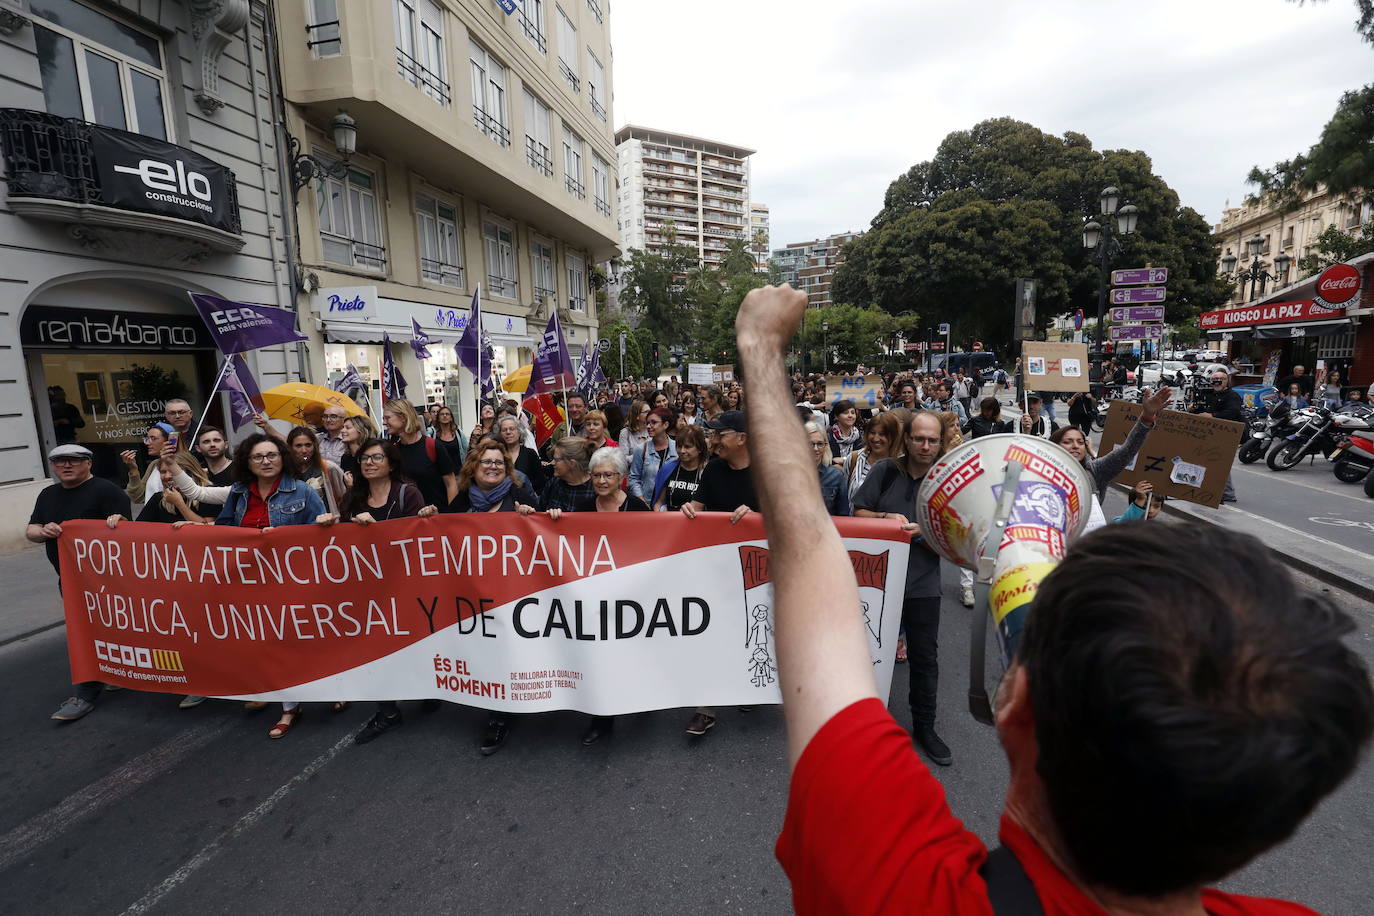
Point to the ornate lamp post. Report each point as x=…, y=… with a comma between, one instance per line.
x=1103, y=244
x=1257, y=274
x=307, y=167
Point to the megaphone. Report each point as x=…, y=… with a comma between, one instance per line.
x=1006, y=507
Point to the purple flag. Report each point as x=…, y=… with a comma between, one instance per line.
x=393, y=382
x=553, y=367
x=245, y=399
x=419, y=340
x=590, y=378
x=237, y=327
x=474, y=347
x=350, y=380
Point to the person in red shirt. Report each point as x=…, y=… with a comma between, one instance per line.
x=1173, y=710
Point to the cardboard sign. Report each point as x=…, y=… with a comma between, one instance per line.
x=701, y=374
x=864, y=391
x=1054, y=366
x=722, y=374
x=1186, y=456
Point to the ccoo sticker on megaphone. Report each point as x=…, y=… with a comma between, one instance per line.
x=1046, y=508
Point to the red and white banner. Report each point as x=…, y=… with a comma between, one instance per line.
x=603, y=613
x=1273, y=313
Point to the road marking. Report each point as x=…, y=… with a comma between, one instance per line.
x=1298, y=483
x=1307, y=535
x=1340, y=522
x=42, y=828
x=243, y=825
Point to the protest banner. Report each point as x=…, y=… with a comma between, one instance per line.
x=1054, y=366
x=701, y=374
x=721, y=374
x=604, y=613
x=864, y=391
x=1186, y=456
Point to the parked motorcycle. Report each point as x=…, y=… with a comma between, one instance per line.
x=1318, y=434
x=1353, y=458
x=1264, y=431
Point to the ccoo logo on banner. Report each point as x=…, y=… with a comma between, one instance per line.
x=150, y=176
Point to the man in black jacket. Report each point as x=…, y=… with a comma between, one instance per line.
x=1223, y=403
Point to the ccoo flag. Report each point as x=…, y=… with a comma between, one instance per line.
x=349, y=380
x=552, y=368
x=393, y=382
x=237, y=327
x=245, y=399
x=419, y=340
x=590, y=378
x=474, y=348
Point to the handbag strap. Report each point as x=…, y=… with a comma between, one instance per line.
x=1010, y=890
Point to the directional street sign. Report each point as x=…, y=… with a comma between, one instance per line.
x=1141, y=294
x=1138, y=275
x=944, y=329
x=1138, y=332
x=1135, y=313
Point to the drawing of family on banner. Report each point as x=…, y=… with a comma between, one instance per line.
x=522, y=614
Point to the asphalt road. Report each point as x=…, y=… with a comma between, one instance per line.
x=144, y=808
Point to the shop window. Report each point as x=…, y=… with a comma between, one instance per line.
x=96, y=68
x=436, y=224
x=350, y=228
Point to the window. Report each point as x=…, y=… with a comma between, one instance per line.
x=489, y=94
x=420, y=47
x=499, y=241
x=595, y=7
x=601, y=184
x=577, y=283
x=567, y=51
x=322, y=28
x=596, y=85
x=541, y=266
x=98, y=69
x=532, y=21
x=350, y=231
x=572, y=164
x=437, y=228
x=538, y=139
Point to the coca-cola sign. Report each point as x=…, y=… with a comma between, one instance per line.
x=1338, y=284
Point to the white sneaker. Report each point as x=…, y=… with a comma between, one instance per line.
x=966, y=596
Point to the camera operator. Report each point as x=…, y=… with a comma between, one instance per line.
x=1220, y=400
x=1165, y=723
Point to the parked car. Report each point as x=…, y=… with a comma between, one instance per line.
x=1151, y=370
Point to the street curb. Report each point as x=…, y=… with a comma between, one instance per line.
x=1315, y=570
x=43, y=629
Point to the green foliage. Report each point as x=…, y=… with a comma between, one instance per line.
x=852, y=335
x=644, y=340
x=1334, y=246
x=154, y=383
x=1343, y=159
x=610, y=360
x=654, y=292
x=1281, y=186
x=1004, y=200
x=1364, y=23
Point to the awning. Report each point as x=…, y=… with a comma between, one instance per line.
x=344, y=332
x=1283, y=331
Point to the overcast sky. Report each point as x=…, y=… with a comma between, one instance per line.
x=840, y=98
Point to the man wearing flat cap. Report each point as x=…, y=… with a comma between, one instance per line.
x=76, y=494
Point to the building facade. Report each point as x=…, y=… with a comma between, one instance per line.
x=141, y=165
x=759, y=234
x=485, y=160
x=692, y=189
x=810, y=266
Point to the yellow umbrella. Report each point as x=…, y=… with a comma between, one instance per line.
x=518, y=380
x=298, y=403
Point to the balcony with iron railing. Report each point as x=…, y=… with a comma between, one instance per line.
x=602, y=207
x=575, y=188
x=490, y=126
x=597, y=108
x=595, y=7
x=541, y=293
x=350, y=252
x=324, y=38
x=421, y=77
x=501, y=286
x=539, y=156
x=532, y=30
x=441, y=272
x=54, y=172
x=569, y=76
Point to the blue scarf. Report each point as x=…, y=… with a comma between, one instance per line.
x=482, y=500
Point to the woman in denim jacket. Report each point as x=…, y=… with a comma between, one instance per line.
x=265, y=495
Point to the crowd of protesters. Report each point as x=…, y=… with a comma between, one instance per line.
x=633, y=447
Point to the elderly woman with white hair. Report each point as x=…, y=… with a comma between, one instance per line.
x=608, y=469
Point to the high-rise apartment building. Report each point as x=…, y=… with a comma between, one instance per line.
x=758, y=234
x=485, y=159
x=695, y=189
x=810, y=266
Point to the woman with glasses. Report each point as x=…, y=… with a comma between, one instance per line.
x=570, y=490
x=679, y=479
x=144, y=485
x=264, y=495
x=379, y=493
x=354, y=432
x=834, y=486
x=525, y=460
x=656, y=450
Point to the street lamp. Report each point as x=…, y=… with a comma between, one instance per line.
x=1102, y=240
x=307, y=167
x=825, y=342
x=1257, y=274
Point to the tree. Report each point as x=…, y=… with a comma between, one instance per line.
x=1334, y=246
x=644, y=341
x=1004, y=200
x=1364, y=24
x=654, y=290
x=1343, y=158
x=849, y=334
x=610, y=360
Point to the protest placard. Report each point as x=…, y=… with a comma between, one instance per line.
x=606, y=615
x=1054, y=366
x=722, y=374
x=701, y=374
x=1186, y=456
x=865, y=391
